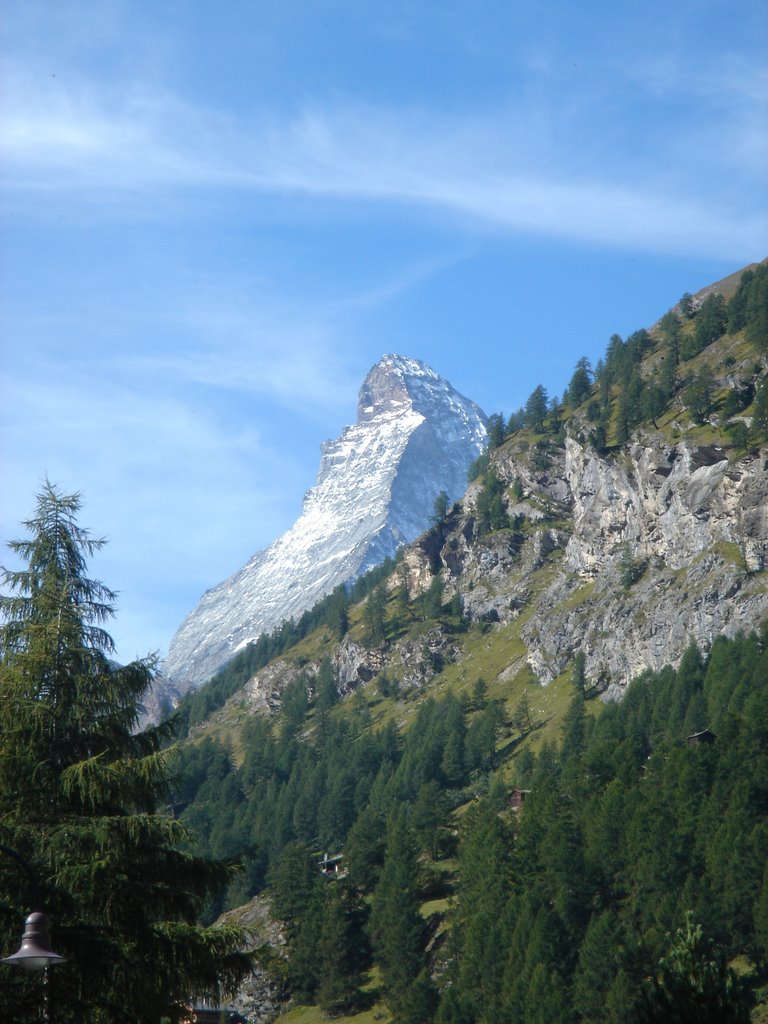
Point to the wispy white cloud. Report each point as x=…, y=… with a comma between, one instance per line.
x=494, y=170
x=723, y=105
x=726, y=79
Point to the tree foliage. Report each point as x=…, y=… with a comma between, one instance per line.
x=748, y=309
x=79, y=796
x=491, y=510
x=629, y=835
x=536, y=409
x=398, y=930
x=580, y=386
x=693, y=984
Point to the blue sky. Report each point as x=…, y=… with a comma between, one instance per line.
x=216, y=217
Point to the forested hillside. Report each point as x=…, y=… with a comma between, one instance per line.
x=511, y=847
x=559, y=911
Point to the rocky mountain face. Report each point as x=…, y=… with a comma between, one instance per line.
x=628, y=558
x=415, y=436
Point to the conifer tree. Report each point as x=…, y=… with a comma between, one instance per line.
x=79, y=792
x=581, y=383
x=574, y=729
x=441, y=505
x=545, y=998
x=398, y=930
x=420, y=1000
x=522, y=715
x=327, y=692
x=374, y=614
x=364, y=849
x=338, y=952
x=694, y=983
x=599, y=961
x=485, y=859
x=430, y=814
x=536, y=409
x=760, y=918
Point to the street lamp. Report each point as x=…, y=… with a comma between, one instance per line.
x=35, y=953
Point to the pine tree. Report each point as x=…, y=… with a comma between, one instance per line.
x=374, y=614
x=430, y=815
x=760, y=413
x=599, y=961
x=294, y=881
x=574, y=729
x=79, y=791
x=337, y=613
x=364, y=849
x=694, y=983
x=545, y=998
x=338, y=951
x=522, y=715
x=699, y=395
x=420, y=1001
x=536, y=409
x=441, y=506
x=398, y=930
x=485, y=859
x=327, y=692
x=479, y=694
x=760, y=919
x=581, y=383
x=432, y=599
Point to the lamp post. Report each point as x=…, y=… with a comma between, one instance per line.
x=35, y=953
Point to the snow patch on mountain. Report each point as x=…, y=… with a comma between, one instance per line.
x=376, y=487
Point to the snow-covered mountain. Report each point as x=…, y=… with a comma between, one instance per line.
x=415, y=436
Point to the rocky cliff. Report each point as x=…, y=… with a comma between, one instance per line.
x=415, y=436
x=647, y=550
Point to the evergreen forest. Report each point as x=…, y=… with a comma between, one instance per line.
x=630, y=877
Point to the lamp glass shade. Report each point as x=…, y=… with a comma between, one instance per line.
x=35, y=952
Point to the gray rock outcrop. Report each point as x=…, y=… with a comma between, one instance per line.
x=690, y=521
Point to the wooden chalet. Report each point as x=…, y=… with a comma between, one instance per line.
x=331, y=866
x=704, y=736
x=517, y=798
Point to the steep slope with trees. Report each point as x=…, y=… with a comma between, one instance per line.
x=622, y=884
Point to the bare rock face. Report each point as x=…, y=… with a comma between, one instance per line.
x=415, y=436
x=262, y=995
x=692, y=522
x=666, y=502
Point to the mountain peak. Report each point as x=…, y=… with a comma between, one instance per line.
x=393, y=383
x=415, y=436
